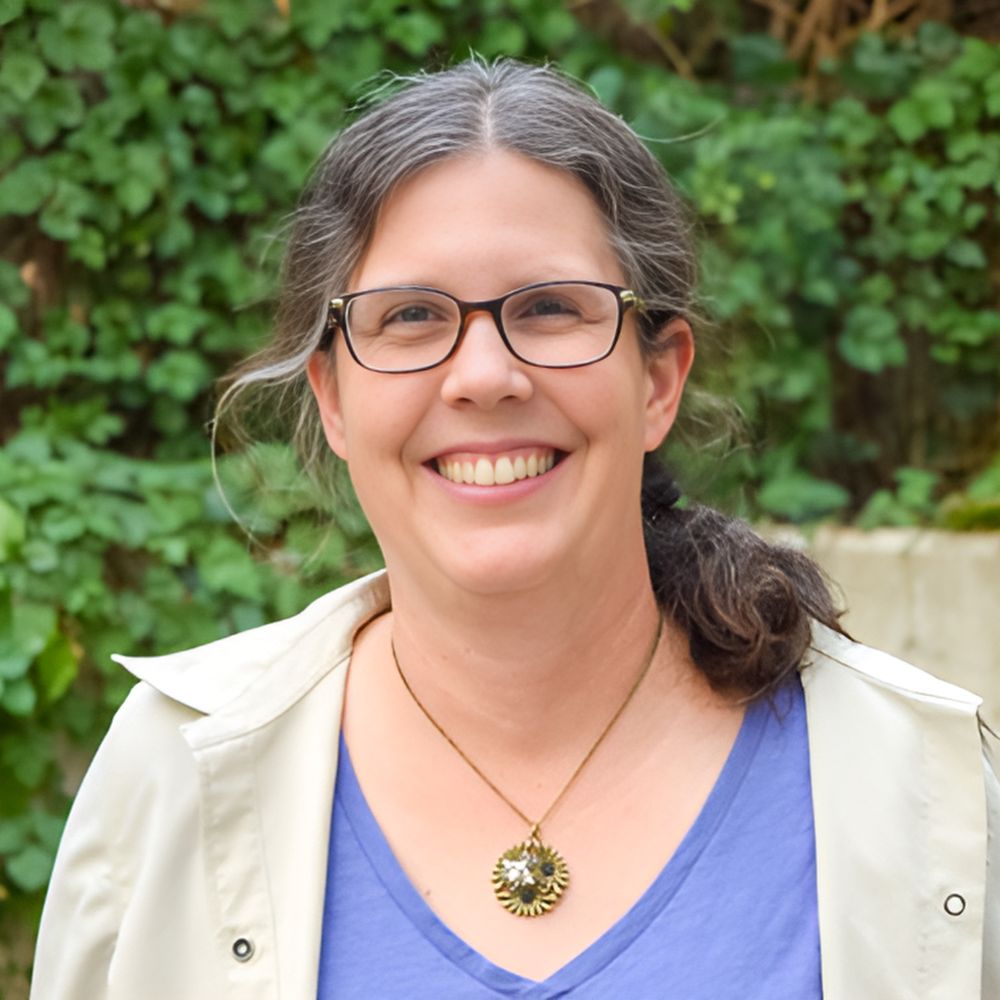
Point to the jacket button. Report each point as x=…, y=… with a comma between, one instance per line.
x=954, y=905
x=243, y=949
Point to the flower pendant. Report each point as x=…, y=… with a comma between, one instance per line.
x=529, y=878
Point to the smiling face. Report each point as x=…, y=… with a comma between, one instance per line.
x=486, y=473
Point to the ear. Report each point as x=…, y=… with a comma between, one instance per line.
x=322, y=372
x=666, y=374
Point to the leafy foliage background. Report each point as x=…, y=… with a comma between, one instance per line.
x=849, y=214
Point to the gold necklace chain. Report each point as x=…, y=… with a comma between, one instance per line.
x=530, y=878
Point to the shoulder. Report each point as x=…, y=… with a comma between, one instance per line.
x=834, y=661
x=210, y=677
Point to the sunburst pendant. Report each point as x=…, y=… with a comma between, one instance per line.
x=530, y=878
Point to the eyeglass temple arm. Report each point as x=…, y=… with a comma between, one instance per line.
x=334, y=318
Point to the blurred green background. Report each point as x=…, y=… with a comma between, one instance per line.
x=843, y=160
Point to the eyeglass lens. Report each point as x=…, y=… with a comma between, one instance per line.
x=395, y=329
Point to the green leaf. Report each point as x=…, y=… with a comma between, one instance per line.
x=176, y=323
x=31, y=869
x=25, y=630
x=555, y=28
x=13, y=834
x=11, y=149
x=986, y=485
x=225, y=566
x=800, y=497
x=966, y=253
x=935, y=103
x=927, y=243
x=883, y=509
x=57, y=105
x=27, y=756
x=938, y=41
x=318, y=20
x=134, y=193
x=503, y=38
x=992, y=88
x=978, y=173
x=23, y=190
x=12, y=529
x=916, y=488
x=760, y=59
x=48, y=829
x=79, y=37
x=9, y=327
x=19, y=697
x=180, y=374
x=878, y=289
x=416, y=32
x=907, y=121
x=870, y=339
x=60, y=218
x=10, y=9
x=977, y=60
x=608, y=82
x=22, y=74
x=57, y=667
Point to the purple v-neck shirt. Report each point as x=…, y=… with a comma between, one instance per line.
x=731, y=915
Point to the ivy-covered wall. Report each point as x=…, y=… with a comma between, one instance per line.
x=849, y=221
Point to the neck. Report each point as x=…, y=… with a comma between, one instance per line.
x=527, y=675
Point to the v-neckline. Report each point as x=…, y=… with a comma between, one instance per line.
x=610, y=943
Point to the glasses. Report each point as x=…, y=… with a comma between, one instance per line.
x=552, y=324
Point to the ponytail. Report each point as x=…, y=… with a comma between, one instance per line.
x=746, y=604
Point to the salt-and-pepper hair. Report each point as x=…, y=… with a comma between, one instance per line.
x=474, y=107
x=745, y=604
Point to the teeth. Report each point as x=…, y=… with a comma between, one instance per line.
x=504, y=470
x=485, y=475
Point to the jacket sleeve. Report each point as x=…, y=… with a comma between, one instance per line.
x=991, y=916
x=87, y=893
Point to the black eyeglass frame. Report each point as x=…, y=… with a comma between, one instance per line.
x=337, y=311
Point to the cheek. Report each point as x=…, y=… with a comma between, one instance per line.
x=380, y=418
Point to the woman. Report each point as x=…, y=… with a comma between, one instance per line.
x=589, y=744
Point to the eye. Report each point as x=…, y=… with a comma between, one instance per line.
x=412, y=314
x=550, y=306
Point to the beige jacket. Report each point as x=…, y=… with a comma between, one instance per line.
x=194, y=862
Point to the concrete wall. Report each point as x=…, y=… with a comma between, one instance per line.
x=929, y=597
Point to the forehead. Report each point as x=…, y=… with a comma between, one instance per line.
x=481, y=224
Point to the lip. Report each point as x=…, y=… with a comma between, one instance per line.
x=497, y=448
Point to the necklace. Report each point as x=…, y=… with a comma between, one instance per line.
x=530, y=877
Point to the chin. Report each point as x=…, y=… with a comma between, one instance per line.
x=493, y=564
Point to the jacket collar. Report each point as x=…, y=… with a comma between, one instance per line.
x=885, y=670
x=236, y=674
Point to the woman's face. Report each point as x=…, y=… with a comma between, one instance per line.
x=477, y=227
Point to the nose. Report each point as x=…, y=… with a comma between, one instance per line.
x=482, y=370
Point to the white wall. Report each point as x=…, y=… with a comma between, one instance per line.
x=930, y=597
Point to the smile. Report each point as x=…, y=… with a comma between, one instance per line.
x=496, y=471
